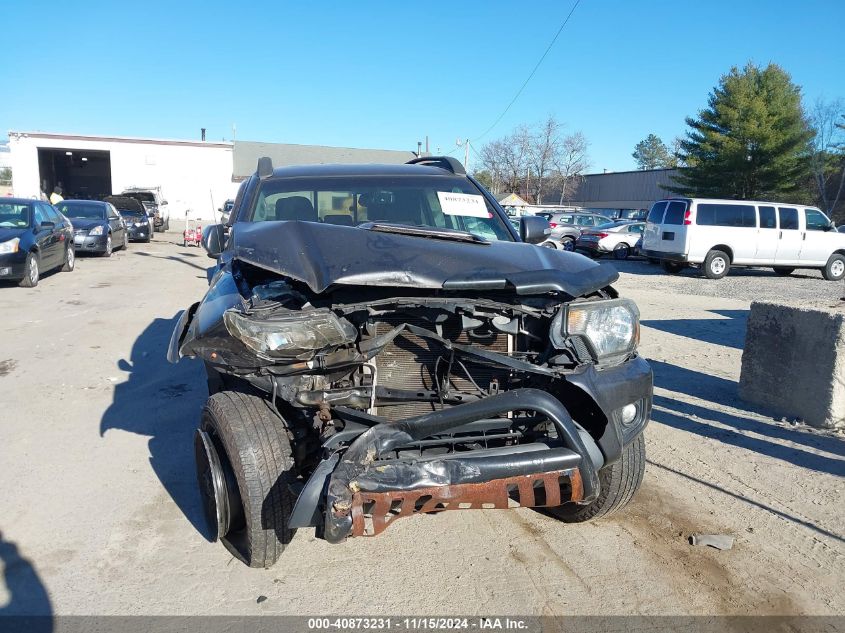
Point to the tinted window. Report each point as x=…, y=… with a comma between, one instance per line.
x=675, y=212
x=39, y=215
x=584, y=220
x=52, y=215
x=767, y=218
x=564, y=219
x=636, y=228
x=84, y=210
x=656, y=214
x=788, y=218
x=816, y=220
x=735, y=215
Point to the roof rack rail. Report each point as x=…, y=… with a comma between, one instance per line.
x=444, y=162
x=265, y=167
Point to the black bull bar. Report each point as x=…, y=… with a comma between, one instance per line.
x=361, y=484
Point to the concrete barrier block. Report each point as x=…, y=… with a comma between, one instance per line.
x=794, y=361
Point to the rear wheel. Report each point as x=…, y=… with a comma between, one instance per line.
x=31, y=273
x=671, y=267
x=70, y=259
x=716, y=264
x=568, y=244
x=244, y=469
x=621, y=251
x=834, y=270
x=784, y=272
x=619, y=482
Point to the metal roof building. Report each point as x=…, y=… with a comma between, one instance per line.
x=246, y=155
x=623, y=190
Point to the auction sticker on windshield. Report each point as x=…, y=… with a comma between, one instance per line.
x=465, y=204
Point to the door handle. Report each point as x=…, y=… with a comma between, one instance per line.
x=803, y=236
x=780, y=235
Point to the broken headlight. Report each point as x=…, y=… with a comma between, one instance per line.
x=610, y=329
x=295, y=335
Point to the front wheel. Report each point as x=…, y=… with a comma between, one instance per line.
x=31, y=272
x=244, y=470
x=834, y=270
x=70, y=260
x=619, y=482
x=108, y=251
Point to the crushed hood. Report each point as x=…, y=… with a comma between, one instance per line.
x=323, y=255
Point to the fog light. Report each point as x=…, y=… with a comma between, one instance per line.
x=629, y=413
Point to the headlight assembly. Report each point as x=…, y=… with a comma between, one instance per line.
x=296, y=335
x=10, y=246
x=610, y=329
x=97, y=230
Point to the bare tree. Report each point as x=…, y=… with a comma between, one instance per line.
x=515, y=149
x=543, y=153
x=827, y=159
x=492, y=157
x=570, y=163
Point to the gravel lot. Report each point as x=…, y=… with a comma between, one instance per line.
x=99, y=512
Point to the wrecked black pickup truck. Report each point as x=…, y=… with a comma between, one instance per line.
x=380, y=342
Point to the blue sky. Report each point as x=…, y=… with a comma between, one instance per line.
x=385, y=74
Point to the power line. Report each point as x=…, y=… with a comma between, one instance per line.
x=525, y=83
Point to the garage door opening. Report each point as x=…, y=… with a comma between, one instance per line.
x=82, y=174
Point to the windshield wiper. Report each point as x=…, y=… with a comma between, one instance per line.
x=424, y=231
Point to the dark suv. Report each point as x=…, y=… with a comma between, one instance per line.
x=380, y=342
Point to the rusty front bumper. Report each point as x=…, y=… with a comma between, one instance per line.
x=365, y=492
x=372, y=512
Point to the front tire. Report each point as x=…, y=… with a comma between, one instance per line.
x=70, y=260
x=716, y=264
x=31, y=272
x=834, y=270
x=619, y=482
x=250, y=441
x=108, y=251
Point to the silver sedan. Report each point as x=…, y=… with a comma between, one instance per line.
x=618, y=238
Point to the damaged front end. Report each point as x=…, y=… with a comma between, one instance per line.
x=490, y=391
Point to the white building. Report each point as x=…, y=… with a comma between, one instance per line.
x=193, y=176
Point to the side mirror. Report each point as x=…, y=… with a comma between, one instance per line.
x=163, y=202
x=214, y=239
x=533, y=229
x=48, y=225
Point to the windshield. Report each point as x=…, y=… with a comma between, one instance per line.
x=83, y=210
x=14, y=216
x=433, y=202
x=143, y=196
x=126, y=213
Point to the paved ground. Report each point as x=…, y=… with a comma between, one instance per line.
x=99, y=513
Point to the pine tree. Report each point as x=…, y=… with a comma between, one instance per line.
x=752, y=141
x=652, y=153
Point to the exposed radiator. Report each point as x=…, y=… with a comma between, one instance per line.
x=409, y=362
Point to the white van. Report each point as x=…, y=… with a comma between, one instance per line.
x=718, y=234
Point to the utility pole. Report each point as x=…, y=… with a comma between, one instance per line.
x=465, y=145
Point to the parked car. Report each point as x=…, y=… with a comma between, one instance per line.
x=566, y=227
x=719, y=234
x=139, y=225
x=154, y=203
x=415, y=357
x=34, y=238
x=619, y=238
x=97, y=226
